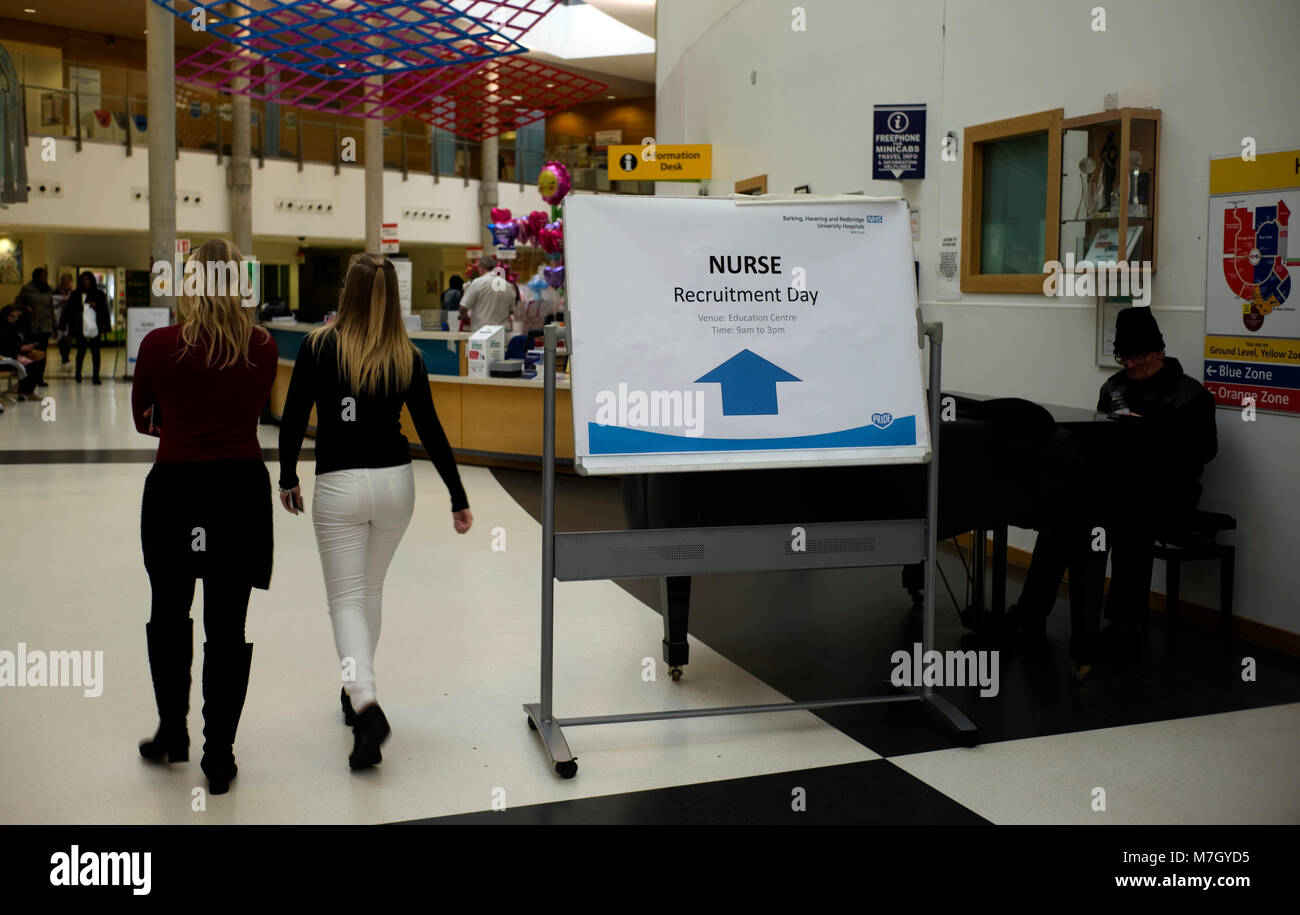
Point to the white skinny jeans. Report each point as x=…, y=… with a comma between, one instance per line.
x=359, y=517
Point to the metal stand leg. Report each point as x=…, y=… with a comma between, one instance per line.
x=935, y=705
x=539, y=713
x=675, y=598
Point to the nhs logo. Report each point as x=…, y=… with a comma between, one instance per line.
x=874, y=219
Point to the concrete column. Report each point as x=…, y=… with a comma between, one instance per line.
x=240, y=176
x=374, y=155
x=487, y=195
x=161, y=56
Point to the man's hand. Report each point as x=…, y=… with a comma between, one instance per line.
x=153, y=430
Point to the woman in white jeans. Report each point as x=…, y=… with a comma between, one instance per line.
x=358, y=372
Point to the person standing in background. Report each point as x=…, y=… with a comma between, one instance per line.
x=207, y=509
x=489, y=299
x=60, y=300
x=359, y=371
x=451, y=298
x=85, y=316
x=37, y=299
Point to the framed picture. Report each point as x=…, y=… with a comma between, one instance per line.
x=11, y=262
x=1107, y=308
x=802, y=189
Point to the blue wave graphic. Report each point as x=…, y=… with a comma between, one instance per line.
x=619, y=440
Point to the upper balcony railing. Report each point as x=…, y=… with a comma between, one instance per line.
x=109, y=105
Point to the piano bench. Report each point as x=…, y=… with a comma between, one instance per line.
x=1190, y=541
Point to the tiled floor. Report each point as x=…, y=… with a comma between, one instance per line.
x=1181, y=740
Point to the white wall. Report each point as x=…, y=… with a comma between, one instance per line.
x=807, y=120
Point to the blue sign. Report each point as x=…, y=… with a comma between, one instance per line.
x=899, y=142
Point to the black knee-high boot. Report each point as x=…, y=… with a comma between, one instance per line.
x=225, y=685
x=171, y=654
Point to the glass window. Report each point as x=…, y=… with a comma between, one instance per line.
x=1013, y=225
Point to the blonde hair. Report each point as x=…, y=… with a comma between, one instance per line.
x=221, y=321
x=373, y=351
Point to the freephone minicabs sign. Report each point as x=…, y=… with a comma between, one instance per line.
x=711, y=332
x=899, y=142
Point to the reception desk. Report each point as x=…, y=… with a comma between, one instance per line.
x=443, y=350
x=487, y=420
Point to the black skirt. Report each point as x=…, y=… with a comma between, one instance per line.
x=202, y=518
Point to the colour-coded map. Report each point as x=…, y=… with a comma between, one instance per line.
x=1255, y=261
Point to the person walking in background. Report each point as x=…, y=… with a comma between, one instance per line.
x=490, y=298
x=207, y=509
x=37, y=299
x=359, y=371
x=85, y=317
x=60, y=299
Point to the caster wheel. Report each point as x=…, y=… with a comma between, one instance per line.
x=675, y=673
x=567, y=769
x=532, y=725
x=969, y=738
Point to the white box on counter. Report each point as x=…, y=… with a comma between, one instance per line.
x=484, y=347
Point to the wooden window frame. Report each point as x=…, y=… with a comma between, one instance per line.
x=972, y=200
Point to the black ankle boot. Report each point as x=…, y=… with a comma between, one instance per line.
x=225, y=685
x=371, y=730
x=349, y=714
x=171, y=653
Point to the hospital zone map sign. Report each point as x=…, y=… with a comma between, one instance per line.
x=1252, y=325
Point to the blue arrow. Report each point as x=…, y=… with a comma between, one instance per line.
x=748, y=384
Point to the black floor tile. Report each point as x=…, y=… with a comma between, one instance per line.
x=866, y=793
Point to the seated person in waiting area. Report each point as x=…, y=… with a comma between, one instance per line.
x=1143, y=493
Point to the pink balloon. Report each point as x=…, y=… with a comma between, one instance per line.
x=500, y=215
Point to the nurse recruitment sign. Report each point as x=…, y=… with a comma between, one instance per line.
x=711, y=332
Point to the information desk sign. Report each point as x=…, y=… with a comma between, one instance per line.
x=720, y=332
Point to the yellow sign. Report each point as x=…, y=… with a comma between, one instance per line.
x=1265, y=173
x=1253, y=349
x=661, y=163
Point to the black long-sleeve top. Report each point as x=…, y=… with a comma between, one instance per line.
x=365, y=432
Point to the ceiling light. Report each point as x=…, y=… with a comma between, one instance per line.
x=609, y=96
x=550, y=85
x=29, y=11
x=517, y=98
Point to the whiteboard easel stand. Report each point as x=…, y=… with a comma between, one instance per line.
x=595, y=555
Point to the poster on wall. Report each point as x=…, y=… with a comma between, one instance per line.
x=763, y=333
x=899, y=147
x=1252, y=323
x=402, y=266
x=11, y=263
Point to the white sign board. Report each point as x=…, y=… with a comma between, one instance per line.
x=139, y=321
x=712, y=333
x=388, y=242
x=402, y=267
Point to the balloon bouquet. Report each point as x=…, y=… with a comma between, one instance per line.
x=535, y=229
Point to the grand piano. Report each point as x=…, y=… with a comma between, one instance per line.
x=1002, y=462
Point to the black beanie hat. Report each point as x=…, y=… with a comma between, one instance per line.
x=1136, y=331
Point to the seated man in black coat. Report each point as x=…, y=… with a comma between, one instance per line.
x=1145, y=493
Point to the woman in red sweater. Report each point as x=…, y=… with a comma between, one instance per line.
x=200, y=386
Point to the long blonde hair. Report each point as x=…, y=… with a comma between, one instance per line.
x=221, y=321
x=374, y=353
